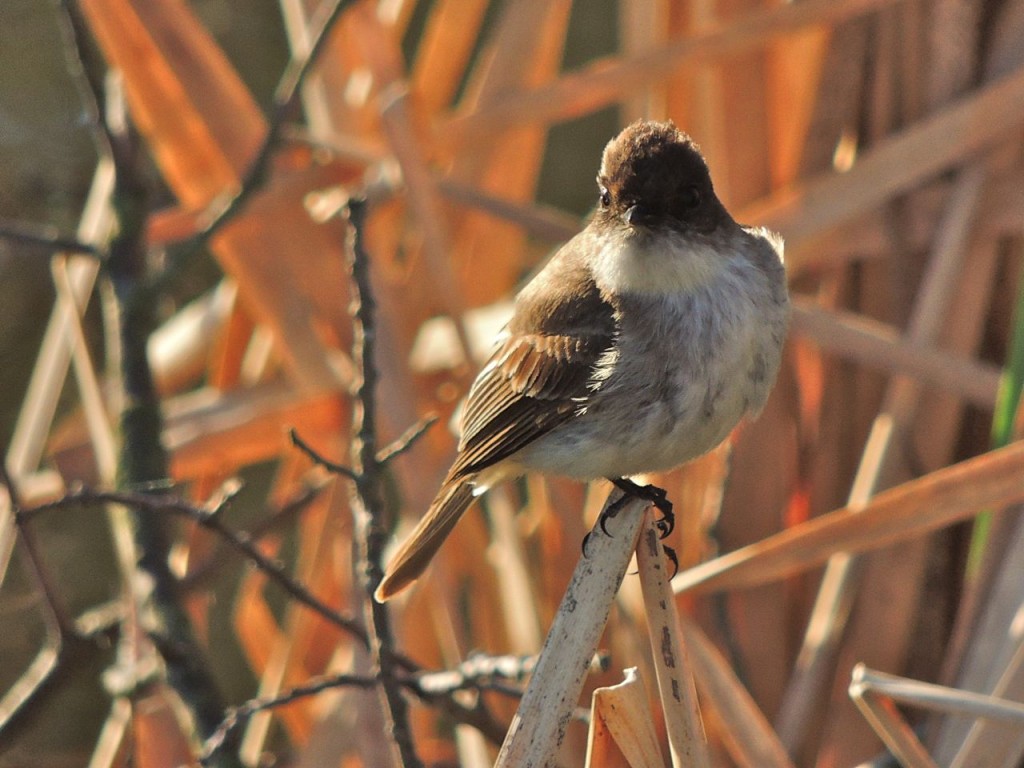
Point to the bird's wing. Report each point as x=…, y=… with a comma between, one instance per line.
x=540, y=375
x=531, y=385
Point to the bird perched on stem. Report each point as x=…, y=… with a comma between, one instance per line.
x=638, y=347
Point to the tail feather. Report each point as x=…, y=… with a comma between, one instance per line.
x=416, y=553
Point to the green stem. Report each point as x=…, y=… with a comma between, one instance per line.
x=1007, y=403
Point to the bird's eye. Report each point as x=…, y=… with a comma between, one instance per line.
x=690, y=198
x=606, y=198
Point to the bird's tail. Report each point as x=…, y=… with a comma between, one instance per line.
x=416, y=553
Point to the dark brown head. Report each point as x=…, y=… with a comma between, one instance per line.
x=654, y=177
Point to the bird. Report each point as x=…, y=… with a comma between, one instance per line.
x=639, y=346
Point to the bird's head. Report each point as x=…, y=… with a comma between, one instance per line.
x=653, y=177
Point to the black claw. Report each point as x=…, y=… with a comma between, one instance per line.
x=667, y=523
x=612, y=510
x=584, y=547
x=671, y=555
x=657, y=497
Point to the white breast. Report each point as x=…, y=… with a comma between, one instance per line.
x=687, y=366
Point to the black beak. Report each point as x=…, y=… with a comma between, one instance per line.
x=638, y=215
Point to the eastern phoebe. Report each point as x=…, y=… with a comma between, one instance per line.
x=638, y=347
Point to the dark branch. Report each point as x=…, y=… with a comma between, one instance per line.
x=478, y=667
x=368, y=493
x=275, y=518
x=57, y=613
x=157, y=504
x=480, y=672
x=47, y=663
x=330, y=466
x=238, y=716
x=88, y=73
x=45, y=237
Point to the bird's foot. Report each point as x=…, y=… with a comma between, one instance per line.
x=650, y=493
x=655, y=496
x=611, y=511
x=673, y=558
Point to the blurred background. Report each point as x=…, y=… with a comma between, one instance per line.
x=881, y=138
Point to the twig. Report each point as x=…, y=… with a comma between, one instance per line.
x=273, y=520
x=45, y=236
x=402, y=444
x=130, y=321
x=330, y=466
x=87, y=72
x=435, y=687
x=58, y=614
x=479, y=672
x=236, y=717
x=406, y=440
x=368, y=497
x=48, y=661
x=156, y=504
x=289, y=87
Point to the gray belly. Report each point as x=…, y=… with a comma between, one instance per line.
x=621, y=435
x=674, y=392
x=651, y=420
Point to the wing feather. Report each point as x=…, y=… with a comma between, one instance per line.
x=537, y=383
x=540, y=375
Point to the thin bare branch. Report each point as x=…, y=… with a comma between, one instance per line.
x=48, y=660
x=318, y=458
x=406, y=440
x=46, y=237
x=88, y=73
x=57, y=613
x=237, y=717
x=165, y=504
x=274, y=519
x=367, y=503
x=478, y=672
